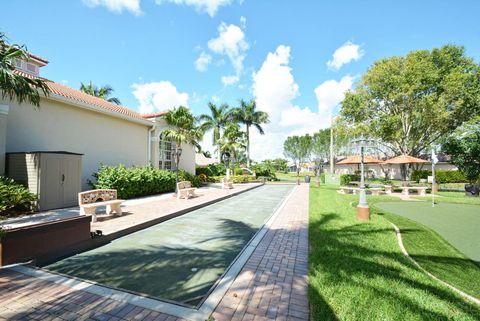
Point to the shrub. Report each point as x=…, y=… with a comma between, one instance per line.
x=203, y=178
x=139, y=181
x=238, y=171
x=265, y=169
x=211, y=170
x=441, y=176
x=235, y=178
x=15, y=196
x=345, y=179
x=322, y=178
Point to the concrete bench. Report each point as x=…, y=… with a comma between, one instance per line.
x=421, y=190
x=375, y=190
x=388, y=189
x=227, y=184
x=348, y=190
x=185, y=190
x=90, y=200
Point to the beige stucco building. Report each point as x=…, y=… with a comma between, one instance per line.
x=72, y=121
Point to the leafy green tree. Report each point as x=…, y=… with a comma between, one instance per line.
x=298, y=148
x=411, y=102
x=232, y=141
x=183, y=129
x=248, y=115
x=13, y=86
x=280, y=164
x=103, y=92
x=321, y=144
x=463, y=145
x=217, y=120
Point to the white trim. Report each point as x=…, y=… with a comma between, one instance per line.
x=4, y=109
x=98, y=109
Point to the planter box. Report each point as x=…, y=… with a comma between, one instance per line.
x=44, y=241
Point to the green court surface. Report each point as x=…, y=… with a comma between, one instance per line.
x=182, y=258
x=459, y=224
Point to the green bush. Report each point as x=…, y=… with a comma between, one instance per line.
x=139, y=181
x=441, y=176
x=238, y=171
x=211, y=170
x=345, y=179
x=14, y=196
x=265, y=169
x=322, y=178
x=235, y=178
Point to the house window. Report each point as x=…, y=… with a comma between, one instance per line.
x=166, y=155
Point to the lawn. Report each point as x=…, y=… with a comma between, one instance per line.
x=357, y=271
x=292, y=177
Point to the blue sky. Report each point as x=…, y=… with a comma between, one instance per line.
x=277, y=52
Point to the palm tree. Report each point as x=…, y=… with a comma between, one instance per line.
x=217, y=120
x=102, y=92
x=183, y=130
x=248, y=114
x=13, y=86
x=233, y=141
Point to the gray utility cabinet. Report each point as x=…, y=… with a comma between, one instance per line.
x=55, y=177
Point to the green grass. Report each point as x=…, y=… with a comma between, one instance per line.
x=357, y=271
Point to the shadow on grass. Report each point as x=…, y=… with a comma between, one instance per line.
x=179, y=273
x=355, y=272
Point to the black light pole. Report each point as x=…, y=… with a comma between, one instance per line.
x=178, y=153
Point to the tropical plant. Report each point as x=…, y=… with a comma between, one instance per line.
x=463, y=145
x=15, y=196
x=183, y=129
x=233, y=141
x=103, y=92
x=411, y=102
x=14, y=86
x=217, y=120
x=248, y=115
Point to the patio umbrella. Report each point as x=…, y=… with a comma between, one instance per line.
x=404, y=160
x=354, y=160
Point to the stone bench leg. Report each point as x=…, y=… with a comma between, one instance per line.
x=114, y=208
x=405, y=192
x=422, y=192
x=89, y=211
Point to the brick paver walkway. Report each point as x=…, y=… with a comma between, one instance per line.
x=271, y=286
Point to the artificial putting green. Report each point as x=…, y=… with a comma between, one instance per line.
x=182, y=258
x=459, y=224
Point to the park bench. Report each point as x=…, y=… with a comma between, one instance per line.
x=388, y=189
x=421, y=190
x=90, y=200
x=185, y=190
x=375, y=190
x=226, y=183
x=348, y=190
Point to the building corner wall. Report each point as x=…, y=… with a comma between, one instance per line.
x=3, y=136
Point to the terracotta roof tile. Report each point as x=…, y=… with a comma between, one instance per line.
x=80, y=96
x=152, y=115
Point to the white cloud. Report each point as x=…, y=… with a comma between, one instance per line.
x=116, y=6
x=243, y=22
x=275, y=89
x=331, y=92
x=230, y=42
x=158, y=96
x=202, y=62
x=209, y=6
x=343, y=55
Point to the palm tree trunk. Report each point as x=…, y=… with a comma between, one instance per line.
x=248, y=146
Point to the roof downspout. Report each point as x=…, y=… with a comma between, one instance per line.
x=149, y=144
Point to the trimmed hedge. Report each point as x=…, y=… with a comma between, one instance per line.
x=14, y=196
x=235, y=178
x=441, y=176
x=345, y=179
x=139, y=181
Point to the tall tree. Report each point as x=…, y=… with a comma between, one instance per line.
x=183, y=129
x=321, y=145
x=248, y=115
x=13, y=86
x=463, y=145
x=217, y=120
x=103, y=92
x=232, y=141
x=411, y=102
x=298, y=148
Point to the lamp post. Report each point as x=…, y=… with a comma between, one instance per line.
x=226, y=161
x=363, y=210
x=178, y=153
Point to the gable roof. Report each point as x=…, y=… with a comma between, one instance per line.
x=77, y=96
